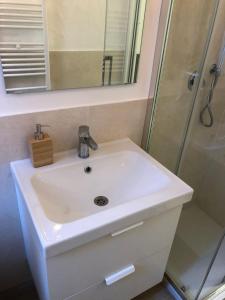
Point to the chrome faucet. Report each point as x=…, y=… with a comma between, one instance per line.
x=85, y=142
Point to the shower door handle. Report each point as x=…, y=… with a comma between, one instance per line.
x=191, y=80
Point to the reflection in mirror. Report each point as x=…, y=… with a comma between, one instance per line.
x=64, y=44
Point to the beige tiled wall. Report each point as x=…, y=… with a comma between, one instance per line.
x=107, y=122
x=77, y=69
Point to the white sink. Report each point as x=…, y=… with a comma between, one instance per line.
x=78, y=250
x=60, y=197
x=66, y=193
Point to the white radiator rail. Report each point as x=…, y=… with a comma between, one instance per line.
x=21, y=49
x=21, y=43
x=21, y=21
x=24, y=58
x=21, y=9
x=20, y=3
x=42, y=87
x=21, y=27
x=24, y=74
x=23, y=65
x=21, y=54
x=23, y=15
x=23, y=70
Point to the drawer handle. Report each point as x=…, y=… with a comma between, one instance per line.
x=127, y=229
x=109, y=280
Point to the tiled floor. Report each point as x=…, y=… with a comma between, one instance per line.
x=190, y=254
x=29, y=293
x=156, y=293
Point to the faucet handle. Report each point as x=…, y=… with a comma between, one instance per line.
x=84, y=131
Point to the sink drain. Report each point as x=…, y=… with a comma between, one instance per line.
x=101, y=201
x=88, y=170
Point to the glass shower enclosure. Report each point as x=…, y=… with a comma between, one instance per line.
x=187, y=135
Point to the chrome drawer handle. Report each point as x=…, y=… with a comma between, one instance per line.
x=109, y=280
x=127, y=229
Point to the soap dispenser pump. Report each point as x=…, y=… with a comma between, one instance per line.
x=39, y=134
x=41, y=147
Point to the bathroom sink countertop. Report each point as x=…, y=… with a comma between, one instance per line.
x=60, y=197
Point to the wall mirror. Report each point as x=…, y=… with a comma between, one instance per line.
x=65, y=44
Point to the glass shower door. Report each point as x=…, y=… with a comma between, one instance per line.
x=194, y=152
x=198, y=253
x=188, y=33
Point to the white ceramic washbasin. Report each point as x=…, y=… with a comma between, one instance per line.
x=67, y=193
x=59, y=198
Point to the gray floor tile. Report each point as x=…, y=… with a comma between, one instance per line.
x=157, y=293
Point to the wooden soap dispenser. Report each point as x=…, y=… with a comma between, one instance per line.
x=41, y=148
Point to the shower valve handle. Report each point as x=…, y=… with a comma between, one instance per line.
x=191, y=80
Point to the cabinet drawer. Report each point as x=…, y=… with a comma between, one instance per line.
x=85, y=266
x=148, y=272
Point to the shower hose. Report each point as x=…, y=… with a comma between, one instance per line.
x=207, y=108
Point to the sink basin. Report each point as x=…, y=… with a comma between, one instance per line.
x=67, y=193
x=78, y=200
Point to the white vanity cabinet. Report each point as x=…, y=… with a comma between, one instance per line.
x=81, y=272
x=79, y=251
